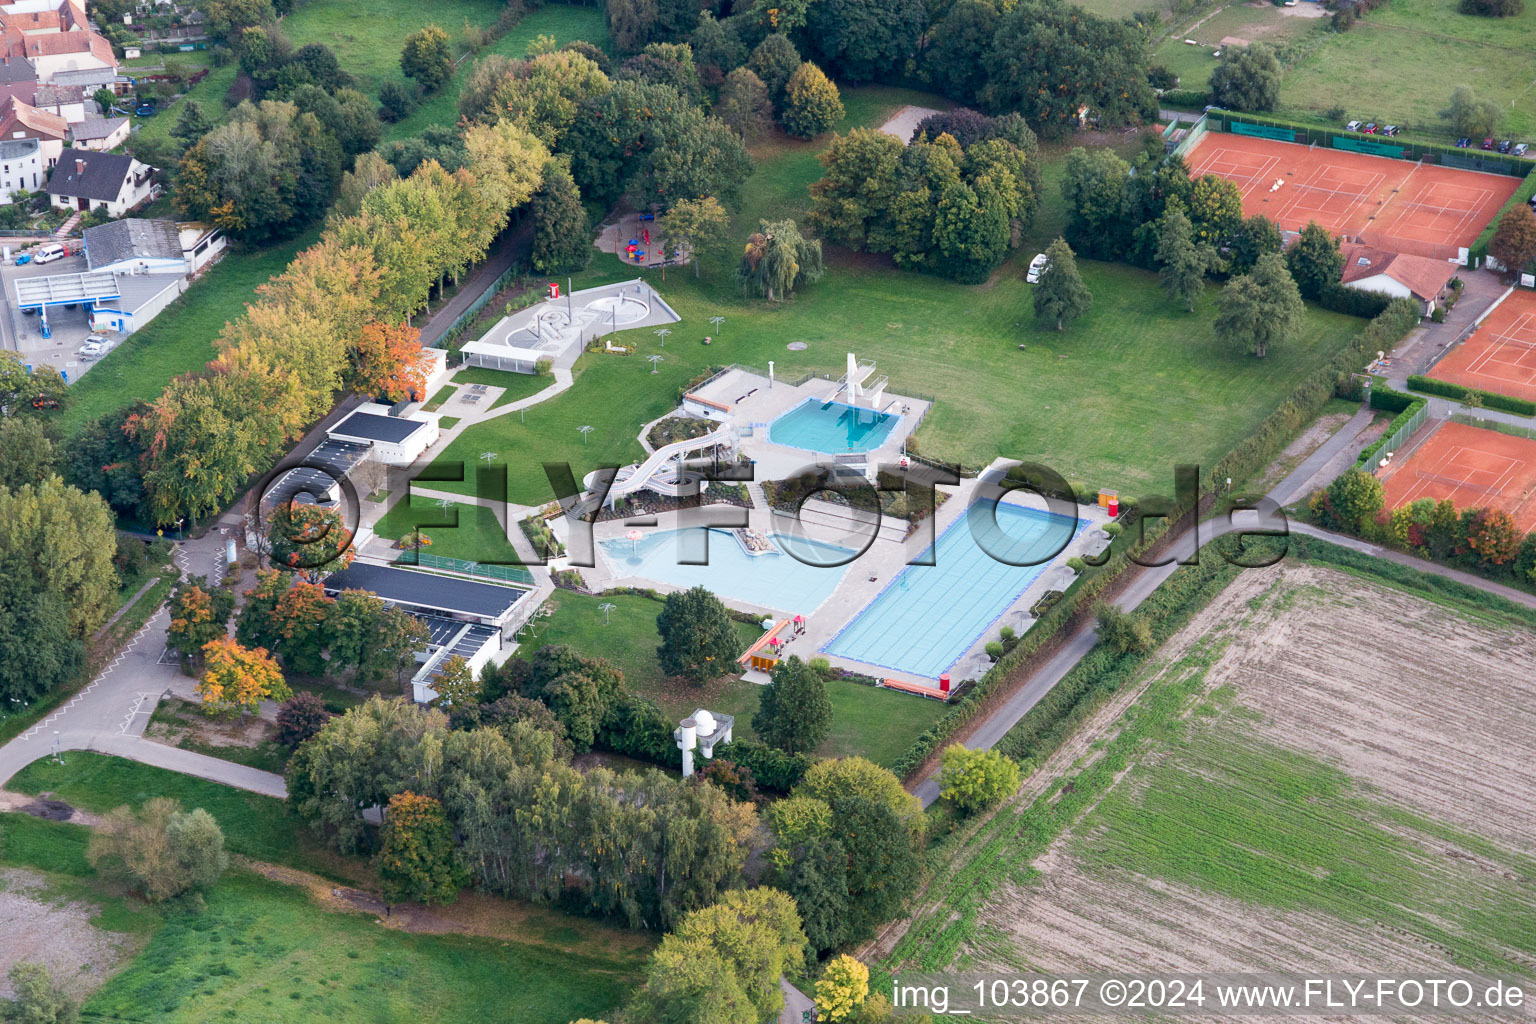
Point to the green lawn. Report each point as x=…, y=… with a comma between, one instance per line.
x=878, y=724
x=1113, y=401
x=1277, y=26
x=1378, y=69
x=368, y=42
x=478, y=537
x=516, y=386
x=265, y=951
x=563, y=22
x=179, y=340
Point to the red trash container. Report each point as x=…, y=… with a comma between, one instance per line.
x=944, y=682
x=1114, y=508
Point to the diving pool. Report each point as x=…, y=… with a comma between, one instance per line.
x=929, y=615
x=771, y=580
x=832, y=427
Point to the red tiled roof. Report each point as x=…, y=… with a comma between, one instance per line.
x=1424, y=277
x=38, y=124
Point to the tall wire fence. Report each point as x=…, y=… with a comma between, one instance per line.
x=463, y=567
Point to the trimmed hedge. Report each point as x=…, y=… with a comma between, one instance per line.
x=1489, y=399
x=1185, y=98
x=1388, y=399
x=1392, y=400
x=1478, y=251
x=1353, y=301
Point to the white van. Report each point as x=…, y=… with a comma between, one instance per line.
x=48, y=253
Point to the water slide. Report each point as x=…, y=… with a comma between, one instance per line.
x=631, y=479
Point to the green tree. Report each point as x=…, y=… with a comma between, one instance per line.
x=794, y=713
x=773, y=61
x=688, y=980
x=1215, y=210
x=829, y=779
x=191, y=124
x=160, y=850
x=1492, y=8
x=954, y=41
x=1514, y=240
x=1260, y=308
x=863, y=40
x=970, y=231
x=777, y=260
x=666, y=64
x=1315, y=261
x=417, y=857
x=37, y=999
x=697, y=639
x=883, y=866
x=26, y=452
x=811, y=103
x=1353, y=499
x=395, y=102
x=1248, y=78
x=455, y=685
x=545, y=93
x=60, y=540
x=973, y=779
x=428, y=58
x=1256, y=236
x=744, y=103
x=578, y=689
x=716, y=48
x=758, y=934
x=698, y=227
x=1183, y=263
x=562, y=242
x=852, y=202
x=1060, y=294
x=1094, y=186
x=1470, y=116
x=817, y=878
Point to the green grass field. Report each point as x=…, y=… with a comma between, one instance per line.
x=1114, y=401
x=1277, y=26
x=179, y=340
x=263, y=950
x=563, y=22
x=1378, y=69
x=368, y=42
x=478, y=537
x=878, y=724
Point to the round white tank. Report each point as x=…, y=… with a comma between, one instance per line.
x=704, y=722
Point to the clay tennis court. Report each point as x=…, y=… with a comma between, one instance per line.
x=1473, y=467
x=1499, y=356
x=1397, y=205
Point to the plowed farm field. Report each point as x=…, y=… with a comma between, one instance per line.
x=1320, y=773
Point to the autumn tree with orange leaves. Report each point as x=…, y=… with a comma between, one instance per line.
x=236, y=678
x=199, y=613
x=388, y=361
x=309, y=540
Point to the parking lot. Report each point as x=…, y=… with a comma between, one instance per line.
x=21, y=332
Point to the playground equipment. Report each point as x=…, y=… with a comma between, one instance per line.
x=764, y=653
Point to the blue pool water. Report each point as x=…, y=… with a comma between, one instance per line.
x=832, y=427
x=930, y=615
x=772, y=580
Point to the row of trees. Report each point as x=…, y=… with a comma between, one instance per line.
x=334, y=320
x=935, y=205
x=1045, y=59
x=646, y=849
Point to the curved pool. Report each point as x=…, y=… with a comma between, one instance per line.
x=775, y=580
x=832, y=427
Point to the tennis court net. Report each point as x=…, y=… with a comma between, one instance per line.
x=1453, y=482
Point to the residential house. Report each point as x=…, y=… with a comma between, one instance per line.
x=1399, y=275
x=100, y=133
x=21, y=120
x=87, y=180
x=71, y=102
x=54, y=35
x=91, y=79
x=17, y=78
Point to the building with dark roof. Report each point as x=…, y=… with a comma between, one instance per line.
x=99, y=133
x=394, y=440
x=18, y=78
x=87, y=180
x=135, y=245
x=489, y=604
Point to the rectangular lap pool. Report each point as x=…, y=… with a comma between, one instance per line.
x=771, y=580
x=832, y=427
x=930, y=615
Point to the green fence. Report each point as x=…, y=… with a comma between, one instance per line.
x=1262, y=131
x=467, y=317
x=1195, y=135
x=500, y=573
x=1369, y=146
x=1404, y=432
x=1429, y=152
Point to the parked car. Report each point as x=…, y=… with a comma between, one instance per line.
x=1487, y=143
x=1506, y=145
x=1463, y=142
x=1520, y=148
x=1036, y=268
x=94, y=348
x=1353, y=126
x=1390, y=129
x=23, y=259
x=1370, y=129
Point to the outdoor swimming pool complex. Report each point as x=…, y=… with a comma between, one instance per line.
x=832, y=427
x=930, y=615
x=773, y=580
